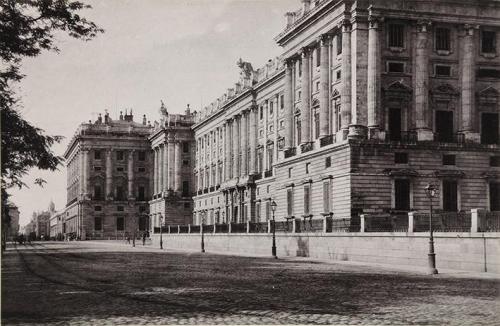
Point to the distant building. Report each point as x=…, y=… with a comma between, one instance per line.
x=109, y=181
x=57, y=225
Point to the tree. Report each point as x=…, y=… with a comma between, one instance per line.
x=27, y=27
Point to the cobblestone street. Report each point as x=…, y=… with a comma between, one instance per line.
x=91, y=283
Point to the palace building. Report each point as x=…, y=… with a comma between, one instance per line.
x=369, y=102
x=109, y=181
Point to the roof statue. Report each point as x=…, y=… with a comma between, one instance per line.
x=163, y=109
x=246, y=72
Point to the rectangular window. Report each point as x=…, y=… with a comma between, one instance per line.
x=141, y=169
x=289, y=201
x=120, y=223
x=448, y=159
x=282, y=102
x=318, y=57
x=444, y=126
x=339, y=74
x=328, y=162
x=97, y=155
x=185, y=147
x=495, y=161
x=495, y=196
x=488, y=42
x=120, y=195
x=119, y=155
x=339, y=43
x=395, y=67
x=490, y=128
x=141, y=193
x=268, y=210
x=119, y=169
x=442, y=70
x=307, y=199
x=257, y=211
x=97, y=192
x=120, y=208
x=261, y=113
x=450, y=195
x=402, y=194
x=290, y=172
x=97, y=223
x=142, y=209
x=141, y=155
x=185, y=162
x=396, y=35
x=488, y=73
x=307, y=167
x=443, y=39
x=401, y=158
x=326, y=196
x=185, y=188
x=97, y=168
x=97, y=208
x=271, y=108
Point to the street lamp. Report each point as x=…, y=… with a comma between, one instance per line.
x=202, y=234
x=161, y=234
x=431, y=191
x=273, y=250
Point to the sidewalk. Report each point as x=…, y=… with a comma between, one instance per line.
x=421, y=270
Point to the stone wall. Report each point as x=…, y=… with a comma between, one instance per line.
x=458, y=251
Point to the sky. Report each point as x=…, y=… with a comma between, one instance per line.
x=178, y=51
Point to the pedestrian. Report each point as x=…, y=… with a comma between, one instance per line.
x=144, y=238
x=128, y=239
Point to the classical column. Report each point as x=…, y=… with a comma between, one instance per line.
x=85, y=154
x=275, y=128
x=345, y=92
x=178, y=167
x=468, y=112
x=373, y=79
x=244, y=142
x=324, y=117
x=252, y=113
x=288, y=98
x=422, y=119
x=165, y=166
x=161, y=164
x=227, y=149
x=171, y=162
x=155, y=176
x=305, y=112
x=217, y=157
x=264, y=154
x=130, y=174
x=109, y=175
x=359, y=65
x=236, y=146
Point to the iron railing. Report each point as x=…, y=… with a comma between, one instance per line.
x=489, y=221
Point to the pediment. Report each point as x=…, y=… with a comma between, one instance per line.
x=445, y=89
x=401, y=172
x=399, y=87
x=449, y=174
x=488, y=95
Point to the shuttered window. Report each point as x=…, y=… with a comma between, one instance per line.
x=326, y=196
x=450, y=195
x=289, y=201
x=402, y=194
x=307, y=199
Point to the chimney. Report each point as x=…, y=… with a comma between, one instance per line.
x=306, y=6
x=144, y=119
x=188, y=110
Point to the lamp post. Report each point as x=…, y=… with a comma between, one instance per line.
x=202, y=234
x=273, y=249
x=161, y=234
x=431, y=191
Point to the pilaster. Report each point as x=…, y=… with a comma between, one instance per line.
x=288, y=98
x=346, y=78
x=324, y=118
x=423, y=121
x=373, y=102
x=305, y=112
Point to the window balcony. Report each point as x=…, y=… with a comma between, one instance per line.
x=307, y=147
x=327, y=140
x=402, y=136
x=290, y=152
x=268, y=173
x=457, y=138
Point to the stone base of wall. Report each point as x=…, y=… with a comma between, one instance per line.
x=458, y=251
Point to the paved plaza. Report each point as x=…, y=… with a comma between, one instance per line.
x=101, y=283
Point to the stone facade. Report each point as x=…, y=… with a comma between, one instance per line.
x=109, y=167
x=369, y=102
x=172, y=142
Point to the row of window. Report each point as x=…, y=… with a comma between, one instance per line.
x=402, y=196
x=442, y=38
x=119, y=193
x=119, y=155
x=120, y=223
